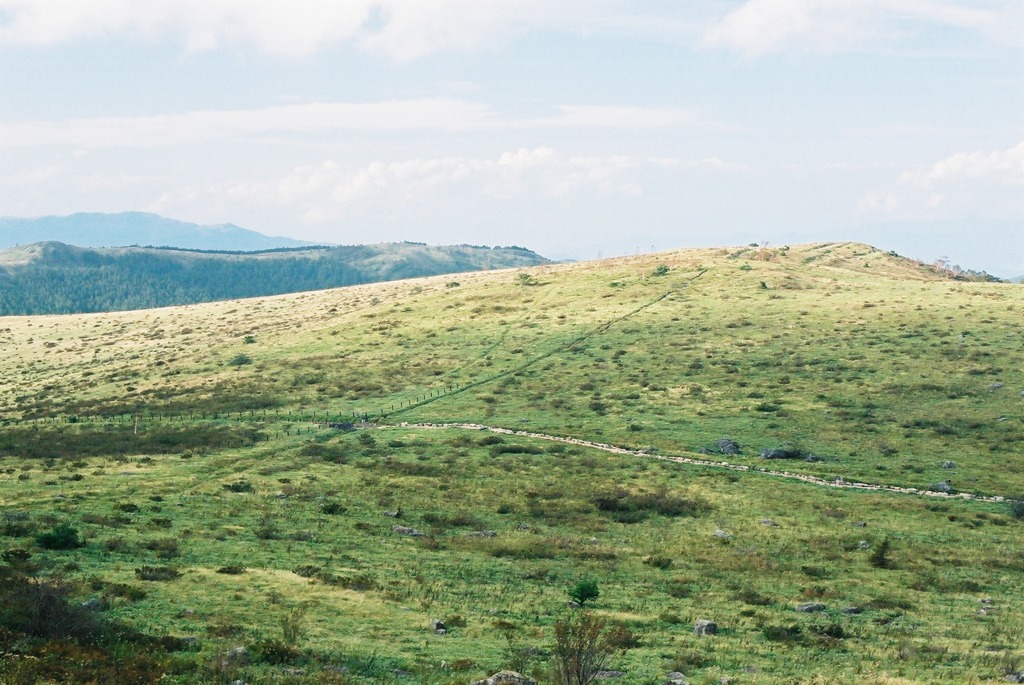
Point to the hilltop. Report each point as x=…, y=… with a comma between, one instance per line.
x=54, y=278
x=357, y=462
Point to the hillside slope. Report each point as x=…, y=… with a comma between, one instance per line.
x=215, y=461
x=54, y=278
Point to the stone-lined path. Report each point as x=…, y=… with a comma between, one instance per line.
x=708, y=463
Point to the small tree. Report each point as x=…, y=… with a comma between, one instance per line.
x=524, y=278
x=581, y=649
x=584, y=591
x=880, y=557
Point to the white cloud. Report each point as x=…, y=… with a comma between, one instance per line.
x=442, y=114
x=402, y=29
x=173, y=129
x=329, y=190
x=764, y=26
x=1001, y=167
x=981, y=183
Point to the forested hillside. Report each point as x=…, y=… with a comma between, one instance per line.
x=54, y=278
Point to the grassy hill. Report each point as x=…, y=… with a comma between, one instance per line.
x=55, y=278
x=209, y=446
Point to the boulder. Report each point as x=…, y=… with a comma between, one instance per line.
x=406, y=530
x=721, y=534
x=506, y=678
x=949, y=464
x=94, y=604
x=674, y=678
x=781, y=453
x=769, y=523
x=236, y=656
x=727, y=446
x=809, y=607
x=438, y=627
x=705, y=627
x=941, y=486
x=482, y=534
x=852, y=611
x=607, y=675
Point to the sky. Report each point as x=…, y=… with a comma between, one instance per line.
x=577, y=128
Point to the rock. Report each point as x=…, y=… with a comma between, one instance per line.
x=236, y=656
x=812, y=458
x=727, y=446
x=863, y=545
x=573, y=604
x=860, y=524
x=482, y=534
x=94, y=604
x=721, y=534
x=985, y=600
x=852, y=611
x=941, y=486
x=769, y=523
x=392, y=514
x=406, y=530
x=294, y=671
x=237, y=682
x=438, y=627
x=995, y=386
x=607, y=675
x=1015, y=677
x=781, y=453
x=949, y=464
x=674, y=678
x=506, y=678
x=809, y=607
x=705, y=627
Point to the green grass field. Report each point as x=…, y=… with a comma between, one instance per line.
x=194, y=441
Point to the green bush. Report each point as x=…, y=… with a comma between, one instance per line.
x=584, y=591
x=273, y=652
x=62, y=536
x=157, y=573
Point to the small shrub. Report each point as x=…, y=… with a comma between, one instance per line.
x=239, y=486
x=333, y=508
x=231, y=570
x=584, y=591
x=664, y=563
x=1017, y=508
x=273, y=652
x=792, y=633
x=157, y=573
x=63, y=536
x=240, y=360
x=620, y=637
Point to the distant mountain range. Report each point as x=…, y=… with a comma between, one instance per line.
x=55, y=278
x=135, y=228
